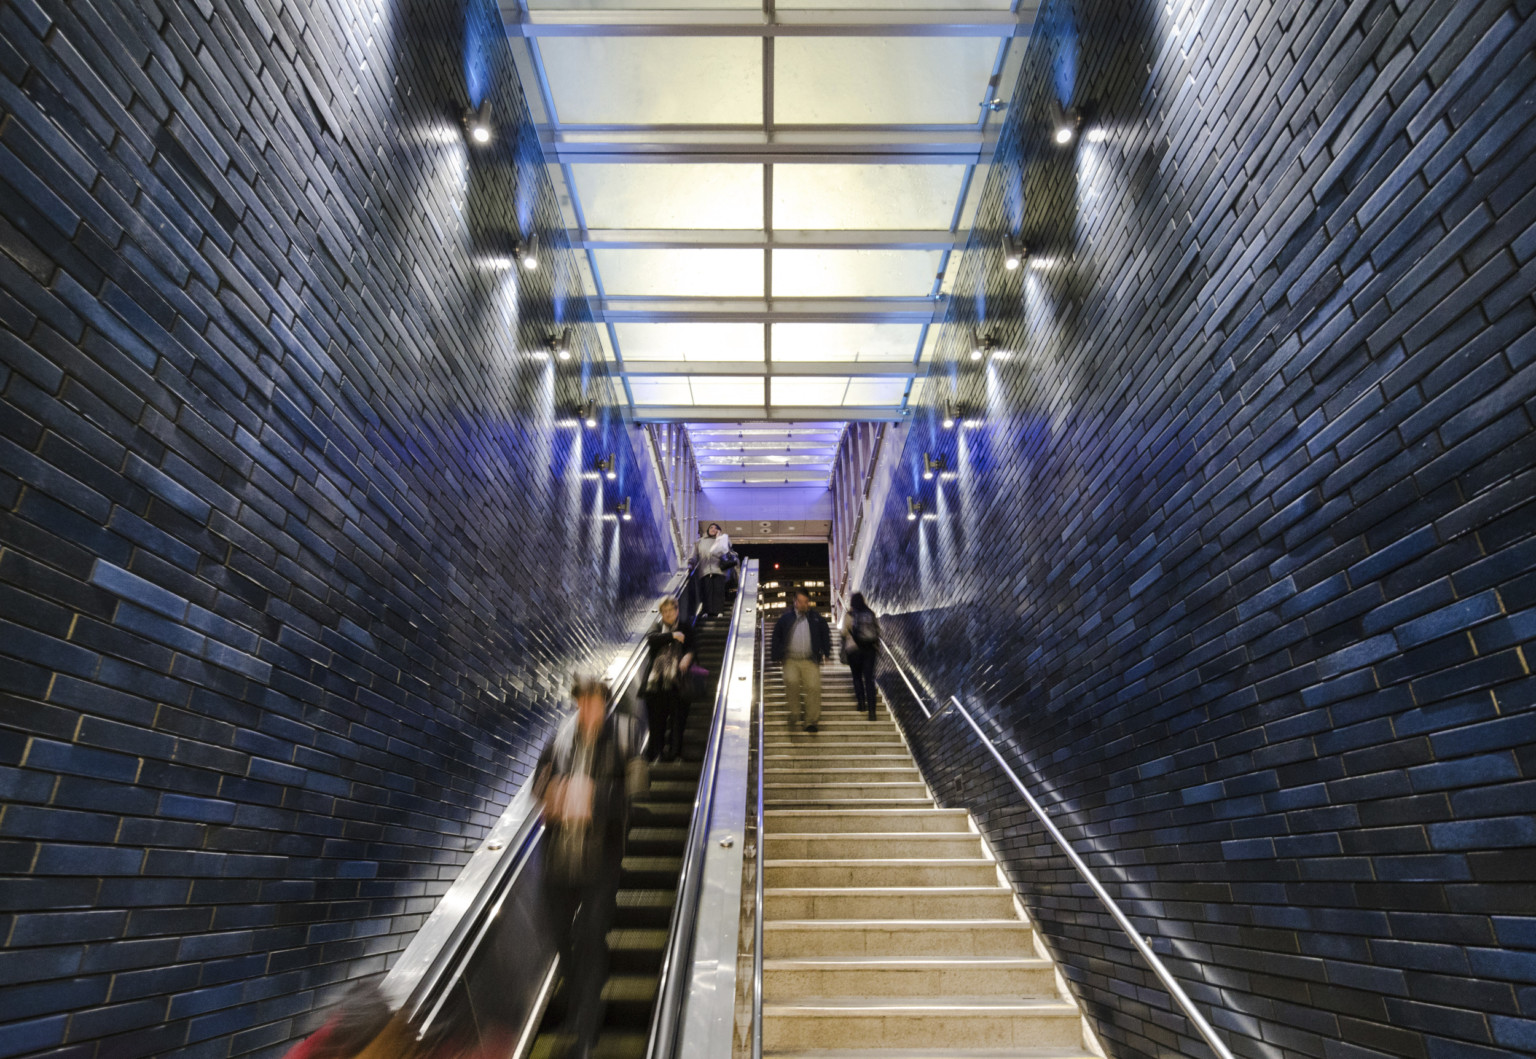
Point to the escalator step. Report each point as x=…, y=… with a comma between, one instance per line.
x=671, y=790
x=660, y=814
x=637, y=951
x=627, y=1000
x=620, y=1046
x=650, y=872
x=657, y=840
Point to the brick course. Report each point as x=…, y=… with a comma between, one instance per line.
x=296, y=551
x=1238, y=563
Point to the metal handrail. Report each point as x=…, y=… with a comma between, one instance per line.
x=902, y=673
x=757, y=906
x=662, y=1041
x=1163, y=974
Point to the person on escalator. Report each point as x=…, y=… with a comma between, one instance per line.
x=861, y=650
x=667, y=680
x=710, y=549
x=581, y=782
x=802, y=641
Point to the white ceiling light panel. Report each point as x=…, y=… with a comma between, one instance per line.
x=681, y=273
x=654, y=80
x=881, y=80
x=736, y=342
x=865, y=197
x=854, y=273
x=685, y=195
x=855, y=342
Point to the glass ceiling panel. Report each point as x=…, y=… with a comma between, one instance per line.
x=682, y=273
x=655, y=80
x=854, y=273
x=877, y=342
x=665, y=5
x=642, y=342
x=881, y=80
x=860, y=196
x=809, y=391
x=685, y=195
x=847, y=5
x=875, y=391
x=696, y=390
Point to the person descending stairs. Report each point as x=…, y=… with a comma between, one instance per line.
x=888, y=928
x=653, y=859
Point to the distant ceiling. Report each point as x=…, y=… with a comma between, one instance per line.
x=770, y=200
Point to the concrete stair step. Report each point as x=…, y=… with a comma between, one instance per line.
x=888, y=902
x=886, y=937
x=810, y=746
x=906, y=872
x=788, y=774
x=785, y=738
x=839, y=803
x=931, y=976
x=829, y=789
x=890, y=845
x=863, y=821
x=1026, y=1052
x=916, y=1022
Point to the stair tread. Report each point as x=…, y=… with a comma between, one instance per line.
x=946, y=1004
x=1046, y=1052
x=883, y=891
x=993, y=963
x=904, y=924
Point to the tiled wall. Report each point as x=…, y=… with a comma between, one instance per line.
x=299, y=539
x=1236, y=557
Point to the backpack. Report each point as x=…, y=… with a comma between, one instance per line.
x=866, y=629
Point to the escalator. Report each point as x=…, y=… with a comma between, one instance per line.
x=648, y=883
x=481, y=974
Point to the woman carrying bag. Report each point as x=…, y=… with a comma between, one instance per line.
x=861, y=650
x=714, y=556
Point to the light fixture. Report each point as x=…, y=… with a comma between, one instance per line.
x=1064, y=122
x=949, y=415
x=1013, y=253
x=560, y=345
x=609, y=467
x=477, y=122
x=623, y=510
x=527, y=253
x=914, y=509
x=587, y=413
x=980, y=347
x=931, y=464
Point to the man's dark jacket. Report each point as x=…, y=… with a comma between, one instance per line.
x=821, y=635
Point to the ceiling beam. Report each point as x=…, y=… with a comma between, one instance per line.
x=756, y=475
x=725, y=239
x=750, y=22
x=778, y=369
x=759, y=146
x=688, y=413
x=770, y=310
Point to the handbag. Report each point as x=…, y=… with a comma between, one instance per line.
x=729, y=561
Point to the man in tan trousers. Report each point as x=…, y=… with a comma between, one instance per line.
x=802, y=641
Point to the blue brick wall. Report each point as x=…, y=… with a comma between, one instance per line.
x=296, y=550
x=1237, y=560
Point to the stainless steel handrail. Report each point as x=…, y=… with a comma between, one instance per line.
x=902, y=673
x=1163, y=974
x=670, y=989
x=757, y=906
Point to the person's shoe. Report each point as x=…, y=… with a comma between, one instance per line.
x=871, y=715
x=810, y=728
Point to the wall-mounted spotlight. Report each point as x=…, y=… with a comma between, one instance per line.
x=560, y=345
x=1013, y=253
x=527, y=252
x=981, y=347
x=477, y=123
x=949, y=415
x=1064, y=122
x=587, y=413
x=609, y=468
x=932, y=465
x=623, y=510
x=914, y=509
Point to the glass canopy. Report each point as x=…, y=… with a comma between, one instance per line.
x=768, y=200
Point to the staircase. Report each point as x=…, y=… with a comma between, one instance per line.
x=888, y=930
x=653, y=860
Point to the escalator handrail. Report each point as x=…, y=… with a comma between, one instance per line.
x=757, y=903
x=673, y=979
x=1165, y=976
x=434, y=958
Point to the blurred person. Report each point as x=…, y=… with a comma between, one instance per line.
x=667, y=681
x=581, y=782
x=358, y=1021
x=802, y=641
x=710, y=549
x=861, y=650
